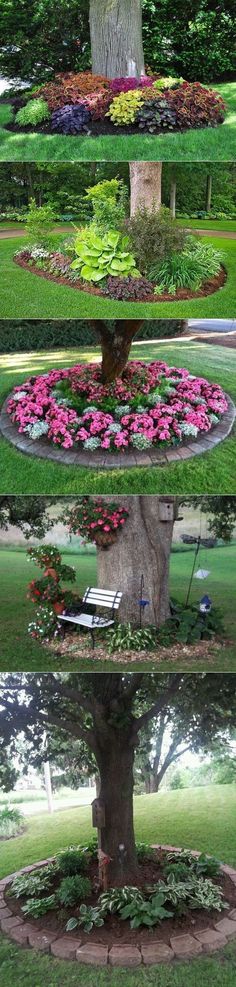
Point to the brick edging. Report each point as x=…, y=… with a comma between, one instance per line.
x=184, y=946
x=100, y=459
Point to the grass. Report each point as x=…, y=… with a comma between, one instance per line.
x=208, y=144
x=19, y=652
x=214, y=472
x=35, y=297
x=200, y=818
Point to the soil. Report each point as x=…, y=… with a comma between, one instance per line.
x=97, y=128
x=150, y=871
x=208, y=287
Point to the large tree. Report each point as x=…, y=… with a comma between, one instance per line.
x=116, y=37
x=145, y=185
x=108, y=712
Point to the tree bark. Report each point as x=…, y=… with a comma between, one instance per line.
x=145, y=182
x=173, y=199
x=208, y=193
x=115, y=348
x=141, y=548
x=115, y=760
x=116, y=37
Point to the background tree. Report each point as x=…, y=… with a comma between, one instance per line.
x=108, y=712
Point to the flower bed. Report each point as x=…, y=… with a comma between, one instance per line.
x=152, y=405
x=180, y=902
x=75, y=103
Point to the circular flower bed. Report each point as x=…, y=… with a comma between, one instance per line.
x=179, y=904
x=75, y=103
x=152, y=405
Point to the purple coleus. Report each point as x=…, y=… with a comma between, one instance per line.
x=71, y=119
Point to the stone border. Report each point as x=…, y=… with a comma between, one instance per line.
x=182, y=947
x=100, y=459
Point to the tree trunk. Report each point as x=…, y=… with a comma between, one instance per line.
x=173, y=199
x=116, y=37
x=145, y=182
x=208, y=193
x=142, y=548
x=115, y=348
x=115, y=761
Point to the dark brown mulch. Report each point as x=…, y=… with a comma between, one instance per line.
x=208, y=288
x=118, y=930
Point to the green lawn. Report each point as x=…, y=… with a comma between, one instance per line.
x=210, y=473
x=19, y=652
x=209, y=144
x=200, y=818
x=30, y=296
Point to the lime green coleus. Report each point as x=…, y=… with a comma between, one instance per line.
x=98, y=257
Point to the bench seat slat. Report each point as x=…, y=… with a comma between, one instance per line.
x=87, y=620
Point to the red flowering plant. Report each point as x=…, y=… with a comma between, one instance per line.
x=97, y=520
x=47, y=592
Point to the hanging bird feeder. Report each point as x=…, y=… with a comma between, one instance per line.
x=201, y=573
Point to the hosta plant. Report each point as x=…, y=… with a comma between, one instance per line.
x=88, y=917
x=116, y=898
x=36, y=907
x=33, y=884
x=146, y=912
x=97, y=256
x=71, y=119
x=126, y=638
x=72, y=861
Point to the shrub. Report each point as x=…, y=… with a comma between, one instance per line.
x=33, y=113
x=69, y=88
x=72, y=889
x=126, y=638
x=39, y=224
x=196, y=106
x=197, y=263
x=11, y=822
x=124, y=289
x=156, y=114
x=99, y=256
x=124, y=108
x=71, y=861
x=71, y=119
x=154, y=236
x=52, y=335
x=109, y=204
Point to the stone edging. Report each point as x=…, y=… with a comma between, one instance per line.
x=181, y=947
x=100, y=459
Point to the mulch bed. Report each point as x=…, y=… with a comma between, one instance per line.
x=96, y=128
x=208, y=288
x=118, y=930
x=73, y=648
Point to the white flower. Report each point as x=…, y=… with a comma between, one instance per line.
x=92, y=443
x=115, y=427
x=37, y=429
x=141, y=441
x=20, y=395
x=122, y=409
x=187, y=429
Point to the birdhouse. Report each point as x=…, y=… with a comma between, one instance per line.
x=166, y=510
x=98, y=813
x=205, y=604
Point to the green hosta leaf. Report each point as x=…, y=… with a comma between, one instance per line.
x=76, y=265
x=90, y=274
x=124, y=243
x=71, y=924
x=112, y=239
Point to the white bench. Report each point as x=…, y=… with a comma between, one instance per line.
x=107, y=600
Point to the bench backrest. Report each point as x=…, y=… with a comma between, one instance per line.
x=102, y=597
